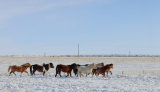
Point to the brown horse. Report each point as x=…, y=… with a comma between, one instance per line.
x=102, y=70
x=40, y=68
x=21, y=68
x=65, y=68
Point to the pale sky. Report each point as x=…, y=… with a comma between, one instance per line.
x=56, y=27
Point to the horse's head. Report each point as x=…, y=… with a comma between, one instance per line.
x=51, y=65
x=86, y=64
x=111, y=66
x=74, y=66
x=29, y=64
x=93, y=65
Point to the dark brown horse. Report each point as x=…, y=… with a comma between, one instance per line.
x=102, y=70
x=65, y=68
x=21, y=68
x=40, y=68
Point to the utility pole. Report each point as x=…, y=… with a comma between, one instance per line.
x=129, y=53
x=78, y=50
x=44, y=54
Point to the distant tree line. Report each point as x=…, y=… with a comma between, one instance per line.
x=109, y=55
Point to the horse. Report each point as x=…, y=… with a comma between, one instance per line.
x=102, y=70
x=100, y=64
x=86, y=69
x=65, y=68
x=76, y=70
x=44, y=68
x=21, y=68
x=97, y=65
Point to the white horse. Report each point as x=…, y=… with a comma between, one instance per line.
x=99, y=65
x=86, y=69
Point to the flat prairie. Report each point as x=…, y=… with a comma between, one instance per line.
x=129, y=74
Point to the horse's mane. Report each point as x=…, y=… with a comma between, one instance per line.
x=72, y=64
x=108, y=65
x=91, y=65
x=26, y=64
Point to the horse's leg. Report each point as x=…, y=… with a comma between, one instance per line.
x=14, y=73
x=21, y=74
x=107, y=73
x=60, y=73
x=70, y=74
x=92, y=74
x=104, y=74
x=96, y=74
x=79, y=74
x=56, y=74
x=86, y=74
x=43, y=73
x=26, y=72
x=111, y=72
x=76, y=74
x=10, y=73
x=34, y=71
x=67, y=74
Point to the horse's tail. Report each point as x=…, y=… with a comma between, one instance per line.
x=56, y=70
x=9, y=68
x=31, y=72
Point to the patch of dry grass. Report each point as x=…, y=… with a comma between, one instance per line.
x=79, y=59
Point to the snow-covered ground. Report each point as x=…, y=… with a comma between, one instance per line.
x=130, y=76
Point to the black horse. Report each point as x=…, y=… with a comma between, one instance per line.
x=44, y=68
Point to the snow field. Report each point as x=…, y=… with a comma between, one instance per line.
x=132, y=79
